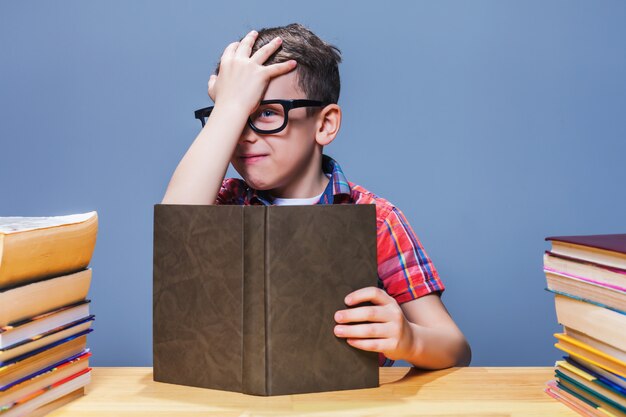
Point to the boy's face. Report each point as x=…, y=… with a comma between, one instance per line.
x=289, y=153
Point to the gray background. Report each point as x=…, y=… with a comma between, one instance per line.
x=490, y=124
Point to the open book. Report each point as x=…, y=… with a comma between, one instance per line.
x=245, y=296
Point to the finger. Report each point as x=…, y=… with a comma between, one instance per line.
x=275, y=70
x=373, y=294
x=212, y=80
x=372, y=345
x=264, y=52
x=359, y=314
x=229, y=50
x=245, y=46
x=372, y=331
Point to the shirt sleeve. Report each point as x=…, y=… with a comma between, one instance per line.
x=231, y=192
x=404, y=268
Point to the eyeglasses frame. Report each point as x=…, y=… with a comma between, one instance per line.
x=287, y=105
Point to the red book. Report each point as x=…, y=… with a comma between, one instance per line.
x=609, y=250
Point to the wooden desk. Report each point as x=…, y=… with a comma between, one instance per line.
x=403, y=392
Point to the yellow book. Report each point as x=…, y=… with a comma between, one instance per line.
x=589, y=381
x=33, y=248
x=594, y=356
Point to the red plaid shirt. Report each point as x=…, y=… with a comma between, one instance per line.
x=404, y=269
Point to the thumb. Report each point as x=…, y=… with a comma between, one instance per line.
x=212, y=80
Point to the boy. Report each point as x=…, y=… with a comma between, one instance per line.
x=277, y=148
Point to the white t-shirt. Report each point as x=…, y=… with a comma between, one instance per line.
x=297, y=201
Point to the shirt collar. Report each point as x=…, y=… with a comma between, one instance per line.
x=337, y=191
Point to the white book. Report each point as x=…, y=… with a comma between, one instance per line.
x=48, y=396
x=41, y=381
x=15, y=351
x=11, y=335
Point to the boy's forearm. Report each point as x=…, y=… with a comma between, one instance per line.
x=199, y=174
x=437, y=348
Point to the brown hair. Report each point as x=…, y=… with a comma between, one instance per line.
x=317, y=69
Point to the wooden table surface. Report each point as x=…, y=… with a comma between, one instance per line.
x=473, y=391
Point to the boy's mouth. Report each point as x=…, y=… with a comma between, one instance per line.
x=250, y=158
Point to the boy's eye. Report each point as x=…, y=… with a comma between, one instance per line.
x=268, y=117
x=268, y=113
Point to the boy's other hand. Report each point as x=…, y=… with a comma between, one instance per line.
x=242, y=78
x=388, y=330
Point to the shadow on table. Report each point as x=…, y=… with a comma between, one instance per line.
x=395, y=390
x=424, y=376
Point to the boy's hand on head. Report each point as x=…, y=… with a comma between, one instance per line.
x=388, y=332
x=242, y=78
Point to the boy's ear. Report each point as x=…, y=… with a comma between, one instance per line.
x=328, y=123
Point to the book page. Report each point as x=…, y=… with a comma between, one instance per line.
x=22, y=224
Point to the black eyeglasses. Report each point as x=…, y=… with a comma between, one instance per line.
x=270, y=117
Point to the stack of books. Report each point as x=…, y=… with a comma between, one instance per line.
x=44, y=311
x=587, y=275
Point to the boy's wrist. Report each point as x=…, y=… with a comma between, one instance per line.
x=231, y=107
x=226, y=123
x=416, y=341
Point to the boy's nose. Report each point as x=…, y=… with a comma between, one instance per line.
x=248, y=135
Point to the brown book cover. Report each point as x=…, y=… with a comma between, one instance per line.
x=244, y=297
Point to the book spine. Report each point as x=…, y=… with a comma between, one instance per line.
x=254, y=377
